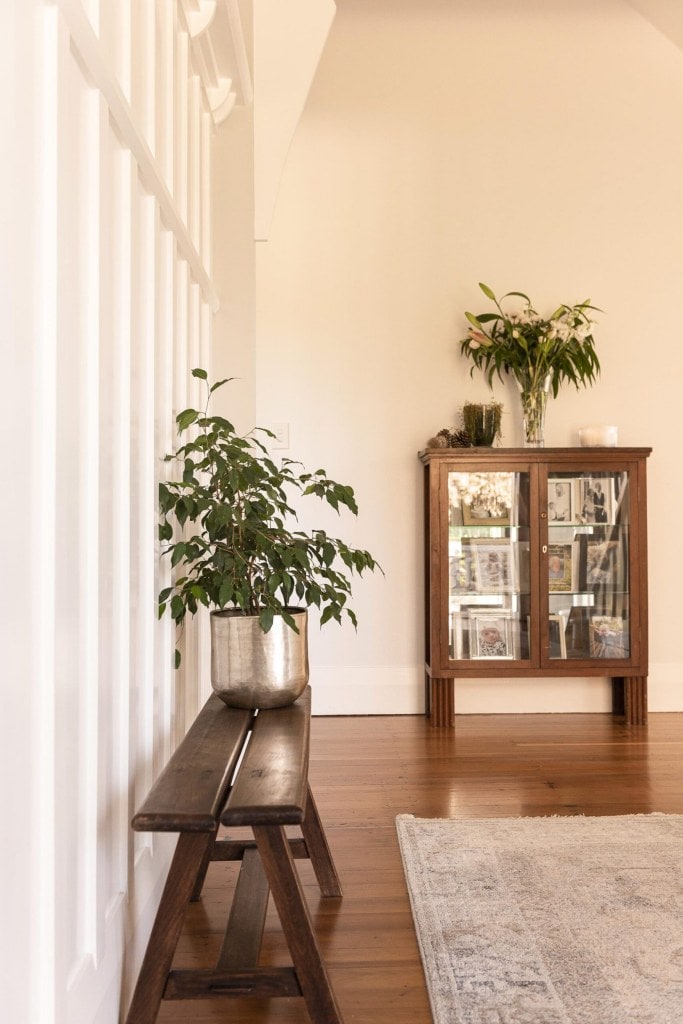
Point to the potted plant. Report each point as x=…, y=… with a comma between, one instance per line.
x=227, y=526
x=482, y=422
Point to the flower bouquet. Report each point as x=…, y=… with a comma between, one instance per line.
x=539, y=352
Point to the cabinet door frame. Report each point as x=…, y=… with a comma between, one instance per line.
x=637, y=563
x=493, y=461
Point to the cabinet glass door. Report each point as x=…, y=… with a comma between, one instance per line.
x=488, y=564
x=588, y=565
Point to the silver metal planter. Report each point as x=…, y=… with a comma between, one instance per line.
x=253, y=669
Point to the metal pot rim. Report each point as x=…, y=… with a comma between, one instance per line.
x=237, y=613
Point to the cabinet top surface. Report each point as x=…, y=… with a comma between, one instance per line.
x=587, y=454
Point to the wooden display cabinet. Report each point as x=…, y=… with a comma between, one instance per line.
x=536, y=565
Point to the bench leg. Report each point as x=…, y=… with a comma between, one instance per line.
x=319, y=851
x=204, y=867
x=182, y=877
x=290, y=903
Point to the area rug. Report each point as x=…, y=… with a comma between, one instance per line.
x=549, y=920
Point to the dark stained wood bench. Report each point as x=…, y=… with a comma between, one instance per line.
x=193, y=796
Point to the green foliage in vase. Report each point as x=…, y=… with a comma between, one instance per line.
x=482, y=422
x=531, y=347
x=227, y=527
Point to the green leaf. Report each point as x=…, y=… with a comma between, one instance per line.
x=177, y=658
x=181, y=513
x=166, y=499
x=178, y=552
x=287, y=587
x=202, y=374
x=266, y=619
x=301, y=555
x=289, y=620
x=186, y=418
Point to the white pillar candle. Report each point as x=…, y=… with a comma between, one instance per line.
x=595, y=437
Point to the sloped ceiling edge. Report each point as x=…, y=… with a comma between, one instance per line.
x=665, y=15
x=289, y=39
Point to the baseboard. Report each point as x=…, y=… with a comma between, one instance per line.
x=367, y=690
x=399, y=690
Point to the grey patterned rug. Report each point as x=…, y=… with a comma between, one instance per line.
x=549, y=920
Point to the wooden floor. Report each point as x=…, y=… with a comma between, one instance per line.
x=365, y=771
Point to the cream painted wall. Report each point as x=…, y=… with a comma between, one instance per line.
x=534, y=146
x=232, y=353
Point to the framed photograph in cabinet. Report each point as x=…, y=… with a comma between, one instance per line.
x=492, y=635
x=460, y=647
x=484, y=498
x=461, y=568
x=594, y=499
x=608, y=637
x=603, y=564
x=561, y=500
x=602, y=561
x=477, y=515
x=576, y=632
x=561, y=568
x=494, y=565
x=557, y=637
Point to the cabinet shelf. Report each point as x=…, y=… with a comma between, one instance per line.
x=536, y=566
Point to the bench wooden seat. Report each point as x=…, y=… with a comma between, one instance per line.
x=198, y=791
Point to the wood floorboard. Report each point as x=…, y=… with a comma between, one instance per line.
x=365, y=771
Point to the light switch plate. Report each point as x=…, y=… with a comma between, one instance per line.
x=281, y=439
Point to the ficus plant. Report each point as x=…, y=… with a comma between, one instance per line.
x=228, y=526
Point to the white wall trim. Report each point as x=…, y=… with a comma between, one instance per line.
x=108, y=296
x=399, y=690
x=88, y=47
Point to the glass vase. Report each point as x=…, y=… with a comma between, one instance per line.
x=534, y=403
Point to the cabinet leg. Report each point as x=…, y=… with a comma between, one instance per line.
x=442, y=703
x=629, y=698
x=635, y=700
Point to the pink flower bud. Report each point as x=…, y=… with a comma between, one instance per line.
x=477, y=339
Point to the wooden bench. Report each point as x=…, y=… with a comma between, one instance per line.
x=194, y=795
